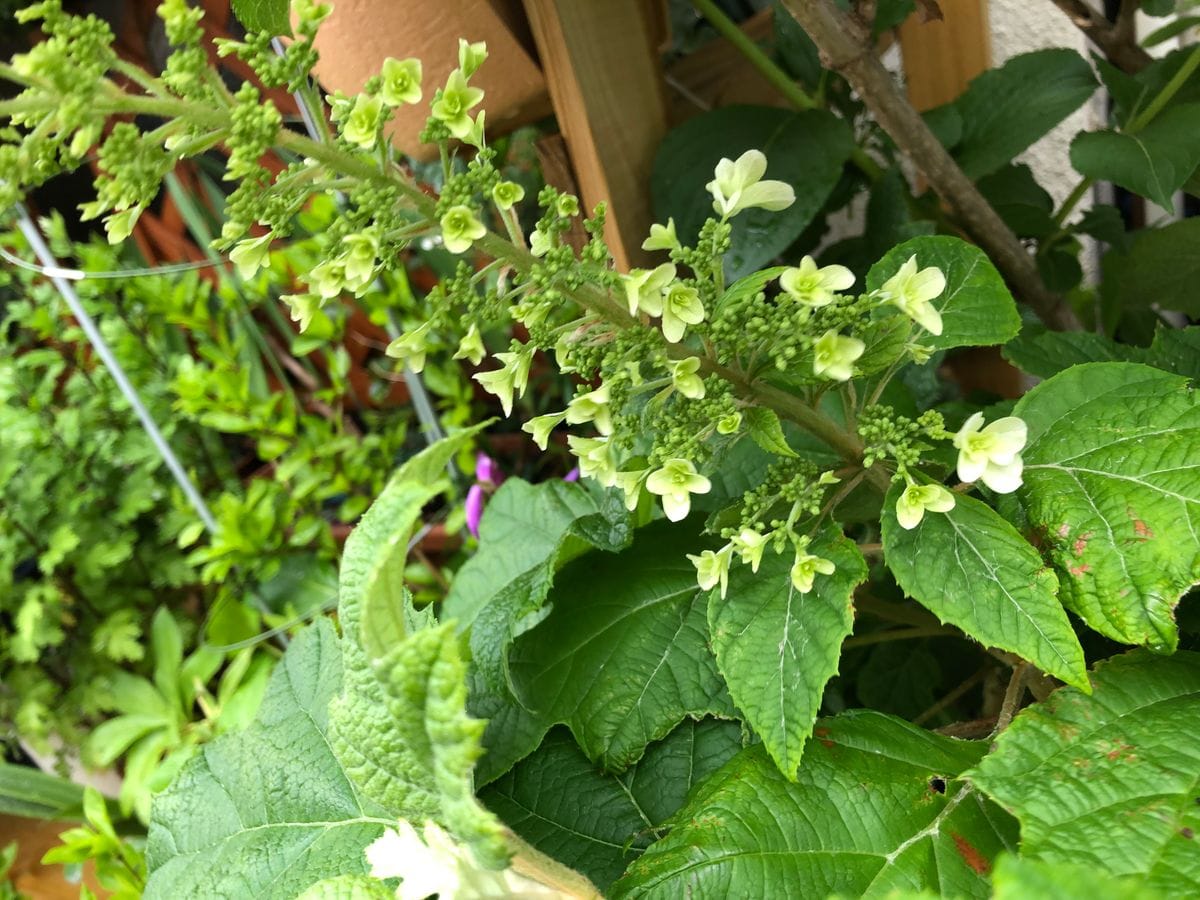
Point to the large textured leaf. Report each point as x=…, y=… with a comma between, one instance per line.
x=976, y=307
x=1020, y=878
x=528, y=531
x=777, y=647
x=562, y=804
x=512, y=732
x=1161, y=268
x=1109, y=780
x=623, y=658
x=876, y=808
x=349, y=887
x=270, y=16
x=971, y=568
x=1046, y=353
x=268, y=811
x=1112, y=483
x=806, y=149
x=1155, y=162
x=1005, y=110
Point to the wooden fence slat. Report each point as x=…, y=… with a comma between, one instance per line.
x=940, y=58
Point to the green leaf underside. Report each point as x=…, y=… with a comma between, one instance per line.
x=1019, y=878
x=1162, y=268
x=1109, y=781
x=777, y=647
x=971, y=568
x=624, y=657
x=349, y=887
x=865, y=817
x=1005, y=110
x=270, y=16
x=597, y=823
x=805, y=149
x=976, y=307
x=1112, y=485
x=268, y=811
x=528, y=531
x=1046, y=353
x=1155, y=162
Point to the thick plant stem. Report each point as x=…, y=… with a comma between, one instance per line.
x=845, y=47
x=1116, y=40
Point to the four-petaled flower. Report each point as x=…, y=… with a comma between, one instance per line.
x=507, y=194
x=992, y=454
x=471, y=56
x=681, y=307
x=363, y=122
x=662, y=237
x=471, y=346
x=249, y=255
x=738, y=185
x=750, y=544
x=834, y=355
x=359, y=259
x=917, y=498
x=453, y=107
x=712, y=568
x=541, y=426
x=814, y=286
x=411, y=347
x=644, y=288
x=591, y=407
x=595, y=458
x=912, y=291
x=460, y=229
x=675, y=482
x=806, y=568
x=685, y=379
x=401, y=81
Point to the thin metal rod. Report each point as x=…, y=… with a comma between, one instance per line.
x=42, y=251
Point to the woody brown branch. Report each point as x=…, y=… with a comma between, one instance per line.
x=845, y=47
x=1116, y=40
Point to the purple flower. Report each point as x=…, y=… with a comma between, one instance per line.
x=475, y=495
x=573, y=475
x=488, y=477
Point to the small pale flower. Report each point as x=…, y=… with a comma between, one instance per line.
x=499, y=383
x=912, y=292
x=917, y=498
x=729, y=424
x=750, y=545
x=328, y=278
x=644, y=288
x=471, y=56
x=631, y=484
x=738, y=185
x=507, y=194
x=662, y=237
x=992, y=454
x=806, y=568
x=362, y=125
x=460, y=229
x=681, y=307
x=540, y=243
x=411, y=347
x=401, y=81
x=250, y=256
x=471, y=346
x=454, y=106
x=302, y=308
x=359, y=260
x=814, y=286
x=519, y=363
x=118, y=226
x=475, y=135
x=541, y=426
x=595, y=458
x=712, y=568
x=834, y=355
x=591, y=407
x=567, y=205
x=675, y=482
x=685, y=379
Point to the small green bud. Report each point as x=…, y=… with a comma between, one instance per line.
x=471, y=56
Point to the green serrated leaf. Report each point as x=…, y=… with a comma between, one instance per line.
x=1112, y=483
x=595, y=822
x=1110, y=780
x=1046, y=353
x=777, y=647
x=1161, y=268
x=970, y=568
x=1155, y=162
x=976, y=307
x=266, y=812
x=805, y=149
x=349, y=887
x=875, y=808
x=767, y=431
x=1019, y=878
x=1006, y=109
x=527, y=533
x=268, y=16
x=623, y=657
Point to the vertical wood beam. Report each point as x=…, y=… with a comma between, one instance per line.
x=940, y=58
x=601, y=62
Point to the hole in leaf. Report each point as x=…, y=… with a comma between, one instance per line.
x=937, y=783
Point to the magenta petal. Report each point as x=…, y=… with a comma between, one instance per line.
x=474, y=505
x=573, y=475
x=486, y=470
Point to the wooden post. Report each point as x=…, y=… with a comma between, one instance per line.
x=601, y=62
x=940, y=58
